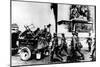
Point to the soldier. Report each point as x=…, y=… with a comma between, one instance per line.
x=72, y=51
x=55, y=48
x=15, y=35
x=89, y=41
x=76, y=45
x=63, y=44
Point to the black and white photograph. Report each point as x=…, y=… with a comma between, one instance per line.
x=52, y=33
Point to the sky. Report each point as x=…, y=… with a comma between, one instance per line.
x=26, y=13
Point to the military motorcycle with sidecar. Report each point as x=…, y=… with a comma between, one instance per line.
x=34, y=43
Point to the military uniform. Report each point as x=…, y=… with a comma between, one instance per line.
x=63, y=44
x=55, y=48
x=89, y=41
x=76, y=45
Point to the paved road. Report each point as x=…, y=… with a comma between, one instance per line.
x=17, y=61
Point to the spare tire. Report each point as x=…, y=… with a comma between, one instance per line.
x=25, y=53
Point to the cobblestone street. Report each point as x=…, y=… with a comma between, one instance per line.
x=17, y=61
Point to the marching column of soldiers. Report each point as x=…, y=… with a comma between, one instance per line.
x=76, y=47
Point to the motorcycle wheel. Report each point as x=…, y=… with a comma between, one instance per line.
x=25, y=53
